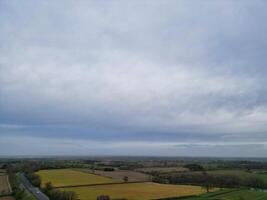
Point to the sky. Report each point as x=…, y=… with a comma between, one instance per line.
x=137, y=78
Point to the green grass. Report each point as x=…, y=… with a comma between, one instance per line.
x=232, y=194
x=136, y=191
x=28, y=196
x=68, y=177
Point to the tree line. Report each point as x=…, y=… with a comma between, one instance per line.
x=212, y=180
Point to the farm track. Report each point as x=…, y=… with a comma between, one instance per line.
x=8, y=183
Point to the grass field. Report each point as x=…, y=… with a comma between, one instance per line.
x=120, y=174
x=232, y=194
x=4, y=184
x=136, y=191
x=68, y=177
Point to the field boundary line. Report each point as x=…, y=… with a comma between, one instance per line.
x=223, y=192
x=99, y=184
x=88, y=172
x=8, y=183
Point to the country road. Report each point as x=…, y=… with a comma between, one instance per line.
x=34, y=190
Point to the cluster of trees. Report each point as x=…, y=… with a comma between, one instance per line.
x=55, y=194
x=35, y=165
x=34, y=179
x=238, y=164
x=29, y=168
x=17, y=191
x=194, y=167
x=216, y=180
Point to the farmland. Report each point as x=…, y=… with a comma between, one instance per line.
x=69, y=177
x=147, y=179
x=111, y=186
x=120, y=174
x=232, y=194
x=7, y=198
x=4, y=188
x=136, y=191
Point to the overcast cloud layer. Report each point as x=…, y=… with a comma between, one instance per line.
x=177, y=78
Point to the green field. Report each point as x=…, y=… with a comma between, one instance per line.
x=68, y=177
x=232, y=194
x=136, y=191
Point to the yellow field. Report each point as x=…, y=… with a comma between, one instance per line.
x=68, y=177
x=4, y=184
x=136, y=191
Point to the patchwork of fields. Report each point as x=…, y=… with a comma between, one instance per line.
x=116, y=190
x=119, y=175
x=89, y=186
x=68, y=177
x=136, y=191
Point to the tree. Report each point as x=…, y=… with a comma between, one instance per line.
x=208, y=182
x=207, y=186
x=48, y=187
x=125, y=179
x=194, y=167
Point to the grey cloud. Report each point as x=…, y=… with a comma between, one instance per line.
x=158, y=70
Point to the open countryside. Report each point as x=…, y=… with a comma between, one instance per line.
x=69, y=177
x=231, y=194
x=137, y=191
x=133, y=100
x=72, y=180
x=160, y=178
x=119, y=175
